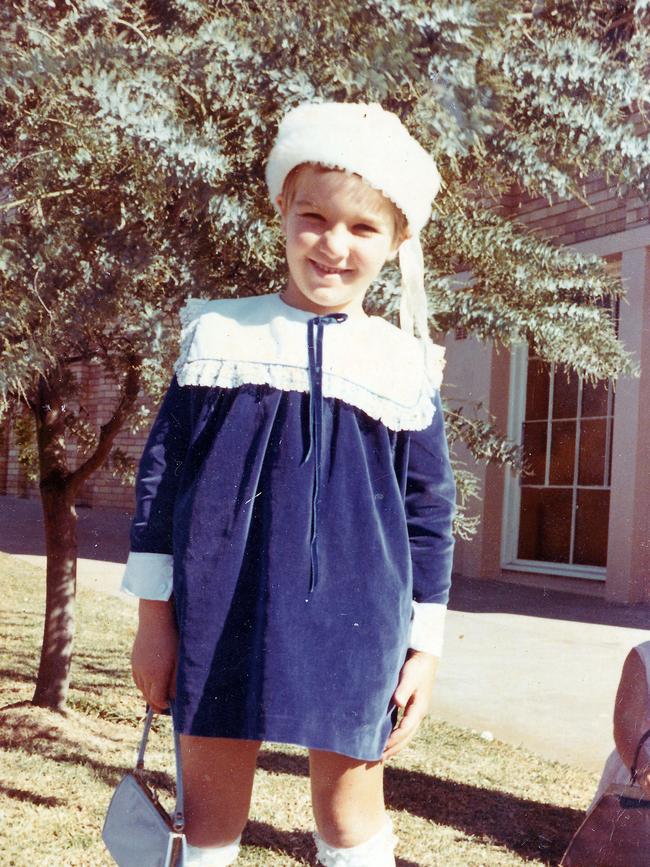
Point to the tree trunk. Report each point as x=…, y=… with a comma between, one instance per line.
x=59, y=486
x=61, y=584
x=60, y=519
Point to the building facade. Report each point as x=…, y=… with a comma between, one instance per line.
x=580, y=520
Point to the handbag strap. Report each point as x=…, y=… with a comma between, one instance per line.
x=178, y=818
x=633, y=769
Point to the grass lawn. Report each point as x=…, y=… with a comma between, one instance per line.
x=455, y=799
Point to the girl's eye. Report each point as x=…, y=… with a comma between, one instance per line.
x=365, y=228
x=311, y=216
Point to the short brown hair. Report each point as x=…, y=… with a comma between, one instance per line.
x=400, y=223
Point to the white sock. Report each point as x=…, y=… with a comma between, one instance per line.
x=375, y=852
x=212, y=856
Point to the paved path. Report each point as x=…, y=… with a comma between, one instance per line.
x=532, y=667
x=545, y=683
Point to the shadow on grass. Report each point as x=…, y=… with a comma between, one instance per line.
x=528, y=828
x=12, y=675
x=283, y=763
x=58, y=738
x=26, y=667
x=533, y=830
x=30, y=797
x=296, y=844
x=27, y=618
x=112, y=675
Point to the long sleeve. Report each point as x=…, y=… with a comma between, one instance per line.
x=430, y=504
x=149, y=568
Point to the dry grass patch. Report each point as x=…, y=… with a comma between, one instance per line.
x=456, y=800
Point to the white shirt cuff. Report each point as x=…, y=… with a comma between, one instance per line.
x=428, y=627
x=149, y=576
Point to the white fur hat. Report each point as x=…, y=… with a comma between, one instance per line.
x=366, y=140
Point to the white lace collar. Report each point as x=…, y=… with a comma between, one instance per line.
x=367, y=362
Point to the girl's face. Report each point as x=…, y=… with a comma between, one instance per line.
x=339, y=232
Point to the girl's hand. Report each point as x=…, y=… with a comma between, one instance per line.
x=413, y=696
x=153, y=659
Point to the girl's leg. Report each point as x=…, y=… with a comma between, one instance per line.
x=218, y=778
x=348, y=804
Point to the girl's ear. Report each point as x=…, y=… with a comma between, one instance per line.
x=397, y=244
x=283, y=212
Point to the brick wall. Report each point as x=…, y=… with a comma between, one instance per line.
x=570, y=221
x=103, y=489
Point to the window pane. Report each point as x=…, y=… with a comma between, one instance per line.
x=591, y=466
x=563, y=440
x=534, y=452
x=551, y=486
x=565, y=393
x=537, y=386
x=592, y=516
x=594, y=398
x=545, y=525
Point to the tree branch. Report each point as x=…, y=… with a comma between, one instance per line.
x=109, y=431
x=31, y=156
x=7, y=206
x=38, y=294
x=53, y=119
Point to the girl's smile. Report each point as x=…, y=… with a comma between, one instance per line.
x=327, y=270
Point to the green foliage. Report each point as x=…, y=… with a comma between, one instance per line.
x=26, y=443
x=475, y=428
x=132, y=144
x=123, y=466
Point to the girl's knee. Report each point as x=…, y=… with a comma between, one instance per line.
x=349, y=830
x=218, y=775
x=347, y=798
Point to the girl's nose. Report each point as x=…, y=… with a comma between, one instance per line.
x=334, y=242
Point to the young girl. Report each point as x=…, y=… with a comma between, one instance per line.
x=631, y=721
x=292, y=542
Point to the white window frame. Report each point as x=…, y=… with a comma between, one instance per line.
x=512, y=491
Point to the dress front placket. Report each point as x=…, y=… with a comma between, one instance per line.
x=315, y=331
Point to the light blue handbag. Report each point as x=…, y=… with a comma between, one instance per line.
x=138, y=832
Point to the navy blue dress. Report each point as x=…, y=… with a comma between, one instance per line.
x=301, y=530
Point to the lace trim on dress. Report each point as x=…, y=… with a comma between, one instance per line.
x=233, y=373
